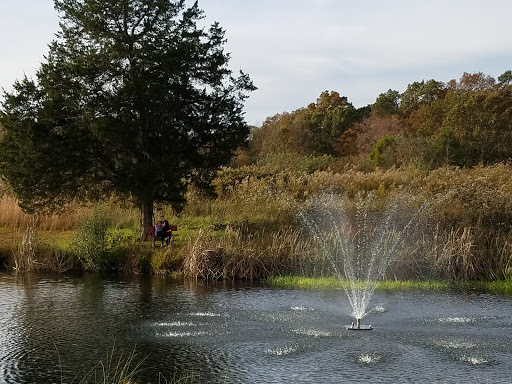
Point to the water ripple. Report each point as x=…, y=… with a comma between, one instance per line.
x=179, y=324
x=185, y=334
x=312, y=332
x=368, y=359
x=459, y=320
x=208, y=314
x=474, y=360
x=300, y=308
x=282, y=351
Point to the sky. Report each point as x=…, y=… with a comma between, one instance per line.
x=295, y=49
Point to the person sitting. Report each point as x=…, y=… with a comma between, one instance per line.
x=166, y=231
x=160, y=231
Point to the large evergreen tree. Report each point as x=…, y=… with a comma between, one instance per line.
x=133, y=97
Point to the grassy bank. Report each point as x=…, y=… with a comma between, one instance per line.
x=300, y=282
x=335, y=283
x=251, y=231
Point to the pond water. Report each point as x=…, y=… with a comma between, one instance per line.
x=56, y=329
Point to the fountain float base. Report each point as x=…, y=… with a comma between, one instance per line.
x=358, y=327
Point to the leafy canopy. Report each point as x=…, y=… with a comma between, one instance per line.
x=133, y=97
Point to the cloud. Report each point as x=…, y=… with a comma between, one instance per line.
x=294, y=49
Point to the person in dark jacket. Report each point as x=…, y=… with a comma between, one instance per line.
x=166, y=235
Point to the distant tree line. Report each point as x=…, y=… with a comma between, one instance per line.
x=431, y=124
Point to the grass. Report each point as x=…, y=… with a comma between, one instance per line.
x=500, y=287
x=122, y=367
x=259, y=205
x=8, y=243
x=335, y=283
x=304, y=282
x=118, y=368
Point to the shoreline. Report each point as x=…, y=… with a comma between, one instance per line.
x=502, y=287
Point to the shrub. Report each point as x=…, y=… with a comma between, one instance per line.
x=90, y=242
x=119, y=238
x=54, y=259
x=383, y=152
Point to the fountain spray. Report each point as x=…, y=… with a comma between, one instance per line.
x=359, y=241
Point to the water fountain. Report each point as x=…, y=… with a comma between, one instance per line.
x=360, y=239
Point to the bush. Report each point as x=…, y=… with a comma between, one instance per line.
x=383, y=152
x=116, y=238
x=90, y=242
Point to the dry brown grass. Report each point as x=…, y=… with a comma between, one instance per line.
x=471, y=207
x=457, y=254
x=237, y=254
x=25, y=254
x=12, y=216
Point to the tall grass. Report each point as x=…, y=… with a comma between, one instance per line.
x=250, y=230
x=238, y=254
x=119, y=367
x=11, y=215
x=25, y=253
x=126, y=367
x=30, y=254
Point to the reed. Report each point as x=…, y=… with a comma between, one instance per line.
x=118, y=367
x=25, y=253
x=239, y=254
x=250, y=230
x=12, y=216
x=55, y=259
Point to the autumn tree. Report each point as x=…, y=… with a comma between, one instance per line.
x=473, y=82
x=471, y=124
x=133, y=98
x=327, y=119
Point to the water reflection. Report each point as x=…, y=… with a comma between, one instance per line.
x=229, y=333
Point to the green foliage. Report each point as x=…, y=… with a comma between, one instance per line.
x=329, y=118
x=461, y=123
x=133, y=97
x=468, y=127
x=101, y=246
x=382, y=153
x=118, y=238
x=505, y=77
x=4, y=189
x=387, y=103
x=419, y=93
x=447, y=149
x=90, y=242
x=307, y=131
x=310, y=164
x=301, y=163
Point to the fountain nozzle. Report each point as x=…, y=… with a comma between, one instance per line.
x=358, y=323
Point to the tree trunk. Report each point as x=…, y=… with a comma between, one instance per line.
x=146, y=218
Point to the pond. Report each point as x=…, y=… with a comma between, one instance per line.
x=54, y=329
